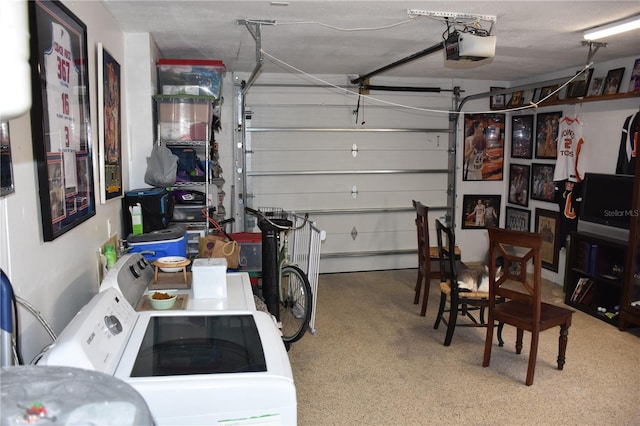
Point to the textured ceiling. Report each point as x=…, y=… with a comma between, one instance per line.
x=533, y=37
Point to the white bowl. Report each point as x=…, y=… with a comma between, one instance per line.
x=166, y=303
x=167, y=261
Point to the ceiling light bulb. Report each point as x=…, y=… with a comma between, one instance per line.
x=612, y=28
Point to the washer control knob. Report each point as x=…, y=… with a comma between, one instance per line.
x=113, y=324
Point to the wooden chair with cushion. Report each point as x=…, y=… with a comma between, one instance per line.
x=462, y=301
x=523, y=308
x=424, y=259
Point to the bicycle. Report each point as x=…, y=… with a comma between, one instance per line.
x=285, y=287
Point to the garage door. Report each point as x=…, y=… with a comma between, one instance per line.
x=352, y=163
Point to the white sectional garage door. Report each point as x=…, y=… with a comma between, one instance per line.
x=355, y=171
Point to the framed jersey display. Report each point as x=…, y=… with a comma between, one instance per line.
x=60, y=117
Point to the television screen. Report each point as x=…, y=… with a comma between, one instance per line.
x=606, y=200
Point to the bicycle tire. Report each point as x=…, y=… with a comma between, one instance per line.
x=296, y=303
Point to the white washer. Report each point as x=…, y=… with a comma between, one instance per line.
x=223, y=365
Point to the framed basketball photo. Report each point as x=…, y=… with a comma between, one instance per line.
x=480, y=211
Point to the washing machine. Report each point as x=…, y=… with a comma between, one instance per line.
x=211, y=362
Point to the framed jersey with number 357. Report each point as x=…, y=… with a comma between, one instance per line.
x=60, y=117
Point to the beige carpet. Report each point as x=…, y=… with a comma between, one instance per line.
x=374, y=361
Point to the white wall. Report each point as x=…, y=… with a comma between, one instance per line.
x=60, y=276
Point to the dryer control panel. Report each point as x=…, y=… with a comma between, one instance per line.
x=96, y=337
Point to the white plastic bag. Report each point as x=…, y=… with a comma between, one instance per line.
x=162, y=166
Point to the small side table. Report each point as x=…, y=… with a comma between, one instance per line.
x=174, y=266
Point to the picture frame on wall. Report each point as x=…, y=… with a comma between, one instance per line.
x=634, y=78
x=496, y=101
x=597, y=87
x=547, y=134
x=613, y=81
x=517, y=219
x=522, y=136
x=578, y=87
x=519, y=184
x=547, y=224
x=548, y=92
x=60, y=117
x=542, y=186
x=483, y=147
x=480, y=211
x=109, y=123
x=516, y=99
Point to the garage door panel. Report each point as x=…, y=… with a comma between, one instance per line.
x=408, y=182
x=341, y=140
x=327, y=160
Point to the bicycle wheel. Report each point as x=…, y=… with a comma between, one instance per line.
x=295, y=303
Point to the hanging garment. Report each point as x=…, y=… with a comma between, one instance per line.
x=629, y=145
x=569, y=144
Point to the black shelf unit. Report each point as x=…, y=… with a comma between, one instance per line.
x=594, y=275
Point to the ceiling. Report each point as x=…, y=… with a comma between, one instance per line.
x=318, y=37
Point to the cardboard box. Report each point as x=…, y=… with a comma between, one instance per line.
x=209, y=278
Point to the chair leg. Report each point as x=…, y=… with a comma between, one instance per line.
x=443, y=302
x=425, y=298
x=519, y=334
x=500, y=340
x=416, y=298
x=453, y=317
x=562, y=346
x=488, y=342
x=533, y=354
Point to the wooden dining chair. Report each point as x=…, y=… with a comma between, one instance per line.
x=524, y=308
x=462, y=301
x=424, y=258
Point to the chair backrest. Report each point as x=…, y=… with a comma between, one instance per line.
x=446, y=254
x=518, y=249
x=422, y=225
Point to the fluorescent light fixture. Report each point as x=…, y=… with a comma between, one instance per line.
x=613, y=28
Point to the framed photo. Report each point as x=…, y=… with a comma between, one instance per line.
x=547, y=134
x=517, y=219
x=546, y=92
x=480, y=211
x=60, y=117
x=497, y=101
x=483, y=146
x=519, y=184
x=521, y=136
x=6, y=164
x=613, y=81
x=542, y=187
x=109, y=126
x=547, y=222
x=516, y=99
x=597, y=86
x=578, y=87
x=634, y=79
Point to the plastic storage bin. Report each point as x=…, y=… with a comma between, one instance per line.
x=190, y=76
x=250, y=250
x=184, y=118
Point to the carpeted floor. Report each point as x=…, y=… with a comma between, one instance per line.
x=374, y=361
